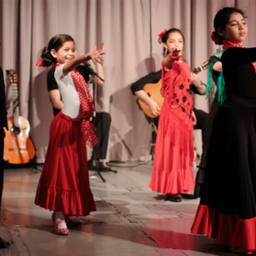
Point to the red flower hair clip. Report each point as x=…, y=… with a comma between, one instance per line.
x=161, y=36
x=39, y=63
x=214, y=37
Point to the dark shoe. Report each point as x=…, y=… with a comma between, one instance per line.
x=104, y=168
x=173, y=199
x=3, y=243
x=95, y=163
x=187, y=196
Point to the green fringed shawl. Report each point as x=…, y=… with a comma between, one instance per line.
x=221, y=90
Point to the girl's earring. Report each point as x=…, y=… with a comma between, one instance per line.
x=165, y=52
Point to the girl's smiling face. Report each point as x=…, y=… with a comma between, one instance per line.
x=236, y=29
x=66, y=52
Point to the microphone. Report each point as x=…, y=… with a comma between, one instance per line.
x=92, y=72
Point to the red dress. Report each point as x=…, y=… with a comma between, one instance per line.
x=172, y=170
x=64, y=182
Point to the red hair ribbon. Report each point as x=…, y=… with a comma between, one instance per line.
x=39, y=63
x=161, y=36
x=214, y=37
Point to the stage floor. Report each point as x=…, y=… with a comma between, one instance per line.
x=130, y=220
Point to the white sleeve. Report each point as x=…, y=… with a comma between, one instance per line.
x=58, y=74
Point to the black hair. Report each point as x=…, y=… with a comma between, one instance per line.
x=55, y=43
x=222, y=18
x=166, y=35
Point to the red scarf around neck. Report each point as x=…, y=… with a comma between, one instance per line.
x=230, y=44
x=86, y=106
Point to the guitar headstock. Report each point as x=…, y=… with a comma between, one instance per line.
x=12, y=76
x=203, y=66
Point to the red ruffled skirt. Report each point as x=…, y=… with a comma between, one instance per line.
x=227, y=229
x=64, y=182
x=172, y=170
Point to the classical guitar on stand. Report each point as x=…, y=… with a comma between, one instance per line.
x=18, y=148
x=154, y=91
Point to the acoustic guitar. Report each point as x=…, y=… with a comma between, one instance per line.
x=154, y=91
x=18, y=148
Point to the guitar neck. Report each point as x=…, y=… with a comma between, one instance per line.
x=15, y=102
x=12, y=80
x=202, y=67
x=198, y=70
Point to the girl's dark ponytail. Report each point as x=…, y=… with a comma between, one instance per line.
x=46, y=57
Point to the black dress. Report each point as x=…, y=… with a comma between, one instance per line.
x=227, y=210
x=207, y=131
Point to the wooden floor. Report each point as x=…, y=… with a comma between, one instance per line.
x=130, y=219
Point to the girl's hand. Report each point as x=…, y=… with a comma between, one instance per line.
x=195, y=79
x=174, y=52
x=97, y=53
x=194, y=120
x=154, y=108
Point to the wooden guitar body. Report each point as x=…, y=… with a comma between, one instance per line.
x=155, y=93
x=18, y=148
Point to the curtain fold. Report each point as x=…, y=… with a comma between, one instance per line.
x=129, y=28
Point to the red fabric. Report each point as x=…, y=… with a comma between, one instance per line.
x=172, y=170
x=40, y=63
x=64, y=182
x=86, y=106
x=227, y=229
x=230, y=44
x=214, y=37
x=161, y=36
x=176, y=57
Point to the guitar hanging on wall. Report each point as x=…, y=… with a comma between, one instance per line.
x=153, y=90
x=18, y=148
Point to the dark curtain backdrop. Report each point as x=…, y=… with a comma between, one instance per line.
x=130, y=29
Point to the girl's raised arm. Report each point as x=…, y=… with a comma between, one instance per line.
x=167, y=60
x=95, y=56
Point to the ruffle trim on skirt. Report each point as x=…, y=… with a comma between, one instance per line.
x=72, y=203
x=172, y=182
x=227, y=229
x=174, y=152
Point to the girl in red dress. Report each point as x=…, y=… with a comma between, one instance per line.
x=172, y=170
x=64, y=183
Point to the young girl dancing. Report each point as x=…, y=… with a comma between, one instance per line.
x=227, y=210
x=172, y=170
x=64, y=183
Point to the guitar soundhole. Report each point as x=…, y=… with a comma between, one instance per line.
x=16, y=130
